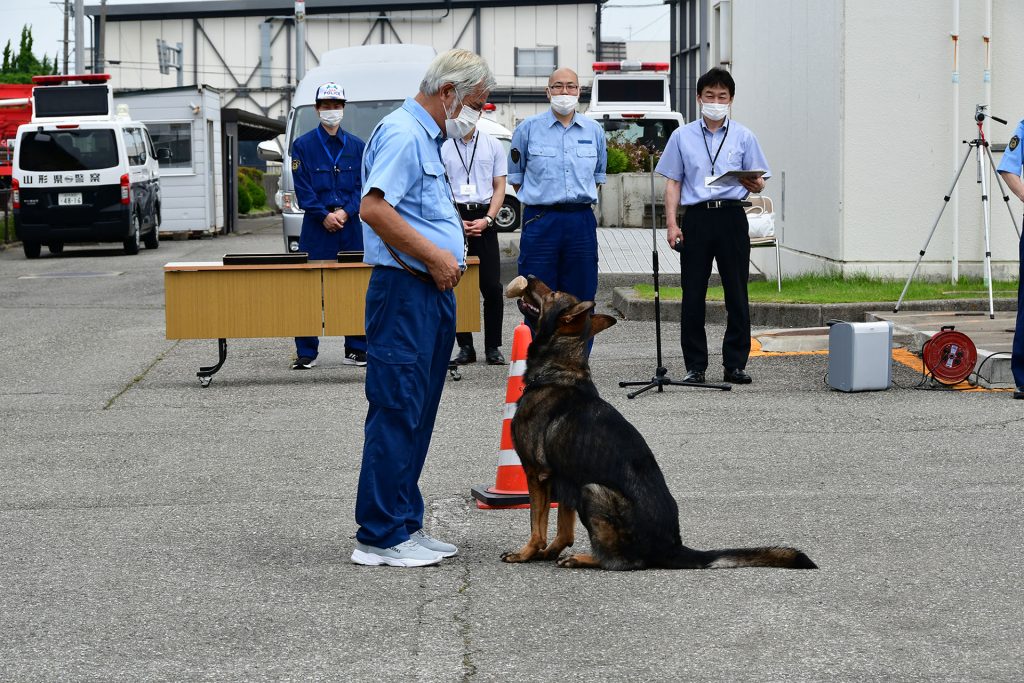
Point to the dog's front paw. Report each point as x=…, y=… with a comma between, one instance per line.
x=513, y=557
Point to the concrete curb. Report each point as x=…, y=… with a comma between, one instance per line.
x=794, y=315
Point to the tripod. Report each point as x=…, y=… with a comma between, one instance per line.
x=661, y=378
x=978, y=144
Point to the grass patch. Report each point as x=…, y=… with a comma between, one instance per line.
x=823, y=289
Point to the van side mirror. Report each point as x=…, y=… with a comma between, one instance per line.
x=268, y=151
x=163, y=155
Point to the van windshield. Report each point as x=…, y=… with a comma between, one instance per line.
x=68, y=150
x=651, y=133
x=360, y=118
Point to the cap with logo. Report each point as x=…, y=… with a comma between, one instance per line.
x=330, y=91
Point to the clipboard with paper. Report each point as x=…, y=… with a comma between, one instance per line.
x=733, y=177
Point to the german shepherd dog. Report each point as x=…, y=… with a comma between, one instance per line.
x=577, y=447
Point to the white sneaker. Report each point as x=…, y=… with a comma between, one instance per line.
x=407, y=554
x=431, y=543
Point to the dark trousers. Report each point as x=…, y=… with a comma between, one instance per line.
x=1017, y=357
x=720, y=235
x=486, y=248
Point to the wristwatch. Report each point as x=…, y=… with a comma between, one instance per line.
x=490, y=221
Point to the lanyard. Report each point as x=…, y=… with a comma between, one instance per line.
x=469, y=169
x=704, y=136
x=323, y=141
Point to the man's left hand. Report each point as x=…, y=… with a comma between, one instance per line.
x=754, y=185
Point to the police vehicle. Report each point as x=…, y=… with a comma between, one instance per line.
x=630, y=99
x=83, y=171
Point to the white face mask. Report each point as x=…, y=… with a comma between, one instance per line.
x=332, y=117
x=463, y=124
x=714, y=111
x=564, y=104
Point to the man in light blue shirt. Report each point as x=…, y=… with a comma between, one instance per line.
x=1010, y=169
x=714, y=225
x=556, y=161
x=413, y=237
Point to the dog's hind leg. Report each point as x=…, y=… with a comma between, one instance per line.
x=565, y=533
x=580, y=561
x=540, y=505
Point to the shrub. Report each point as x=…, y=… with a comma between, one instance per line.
x=618, y=162
x=256, y=195
x=630, y=157
x=244, y=199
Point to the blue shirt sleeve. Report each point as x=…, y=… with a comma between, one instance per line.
x=302, y=163
x=520, y=142
x=670, y=164
x=394, y=164
x=352, y=205
x=600, y=176
x=1013, y=155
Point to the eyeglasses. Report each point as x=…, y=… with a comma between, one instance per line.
x=564, y=87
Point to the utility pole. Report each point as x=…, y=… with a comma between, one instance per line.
x=300, y=40
x=67, y=12
x=79, y=36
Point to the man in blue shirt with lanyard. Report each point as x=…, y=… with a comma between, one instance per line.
x=714, y=226
x=479, y=160
x=413, y=237
x=556, y=161
x=325, y=170
x=1010, y=169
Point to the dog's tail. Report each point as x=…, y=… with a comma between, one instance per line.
x=734, y=558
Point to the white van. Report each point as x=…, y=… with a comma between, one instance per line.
x=83, y=173
x=376, y=79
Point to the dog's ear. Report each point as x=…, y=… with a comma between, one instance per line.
x=572, y=320
x=600, y=322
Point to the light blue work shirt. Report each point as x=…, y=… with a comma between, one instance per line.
x=403, y=160
x=556, y=164
x=1013, y=155
x=691, y=149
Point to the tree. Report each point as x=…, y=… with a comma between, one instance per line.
x=7, y=59
x=20, y=67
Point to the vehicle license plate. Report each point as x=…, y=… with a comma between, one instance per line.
x=69, y=199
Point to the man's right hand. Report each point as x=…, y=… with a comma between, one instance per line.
x=674, y=234
x=332, y=223
x=444, y=269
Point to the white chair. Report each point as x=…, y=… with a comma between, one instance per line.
x=761, y=218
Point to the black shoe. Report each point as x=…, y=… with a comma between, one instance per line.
x=467, y=355
x=1019, y=393
x=354, y=357
x=694, y=377
x=737, y=377
x=494, y=356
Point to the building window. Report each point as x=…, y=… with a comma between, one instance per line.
x=176, y=138
x=538, y=61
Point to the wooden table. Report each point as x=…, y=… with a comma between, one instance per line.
x=208, y=300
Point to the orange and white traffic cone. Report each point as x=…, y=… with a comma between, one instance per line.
x=509, y=490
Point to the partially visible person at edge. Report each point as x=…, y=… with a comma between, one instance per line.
x=556, y=161
x=714, y=226
x=413, y=237
x=1010, y=168
x=328, y=186
x=477, y=168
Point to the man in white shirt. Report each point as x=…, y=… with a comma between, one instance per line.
x=476, y=167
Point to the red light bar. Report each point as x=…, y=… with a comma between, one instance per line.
x=629, y=65
x=82, y=78
x=489, y=107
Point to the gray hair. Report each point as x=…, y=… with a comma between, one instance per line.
x=464, y=69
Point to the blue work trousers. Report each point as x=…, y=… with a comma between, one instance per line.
x=1017, y=358
x=410, y=329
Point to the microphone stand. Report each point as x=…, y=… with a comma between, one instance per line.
x=661, y=378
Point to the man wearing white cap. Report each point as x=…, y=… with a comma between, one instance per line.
x=328, y=186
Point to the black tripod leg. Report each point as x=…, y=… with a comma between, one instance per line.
x=206, y=373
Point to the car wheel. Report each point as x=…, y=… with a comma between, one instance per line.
x=152, y=238
x=507, y=219
x=56, y=247
x=32, y=249
x=131, y=245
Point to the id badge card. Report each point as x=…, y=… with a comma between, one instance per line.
x=467, y=190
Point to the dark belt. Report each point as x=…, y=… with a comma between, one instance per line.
x=719, y=204
x=473, y=207
x=562, y=207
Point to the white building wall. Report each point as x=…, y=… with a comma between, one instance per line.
x=853, y=100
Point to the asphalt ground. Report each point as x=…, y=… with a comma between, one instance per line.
x=155, y=530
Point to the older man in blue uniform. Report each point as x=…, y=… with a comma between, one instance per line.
x=714, y=226
x=556, y=161
x=413, y=236
x=325, y=170
x=1010, y=169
